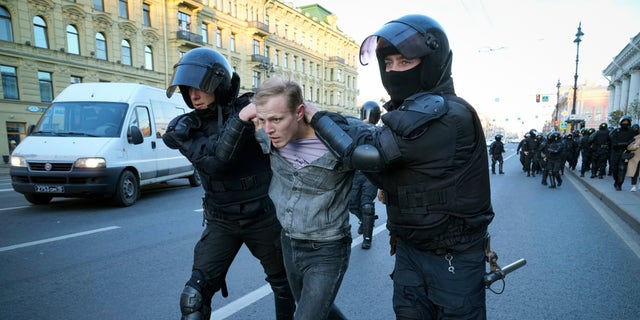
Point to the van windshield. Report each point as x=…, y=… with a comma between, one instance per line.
x=83, y=119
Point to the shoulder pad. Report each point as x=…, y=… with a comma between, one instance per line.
x=413, y=117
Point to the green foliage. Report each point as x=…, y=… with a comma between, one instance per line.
x=614, y=118
x=633, y=110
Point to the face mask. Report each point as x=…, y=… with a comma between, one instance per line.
x=401, y=85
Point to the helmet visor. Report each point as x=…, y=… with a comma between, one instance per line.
x=407, y=40
x=198, y=76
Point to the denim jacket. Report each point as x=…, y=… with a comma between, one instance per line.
x=311, y=202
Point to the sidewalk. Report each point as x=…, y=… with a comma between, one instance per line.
x=624, y=203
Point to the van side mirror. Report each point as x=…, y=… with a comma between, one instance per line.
x=135, y=135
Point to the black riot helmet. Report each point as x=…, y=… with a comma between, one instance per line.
x=370, y=111
x=603, y=126
x=625, y=122
x=206, y=70
x=412, y=36
x=498, y=137
x=553, y=136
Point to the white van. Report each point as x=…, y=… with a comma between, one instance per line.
x=100, y=140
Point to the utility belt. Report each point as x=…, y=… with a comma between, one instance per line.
x=237, y=211
x=244, y=183
x=477, y=244
x=603, y=146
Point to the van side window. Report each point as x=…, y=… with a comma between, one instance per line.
x=142, y=120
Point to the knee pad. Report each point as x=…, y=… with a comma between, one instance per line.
x=192, y=305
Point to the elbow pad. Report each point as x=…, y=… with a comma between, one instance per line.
x=331, y=134
x=367, y=158
x=235, y=135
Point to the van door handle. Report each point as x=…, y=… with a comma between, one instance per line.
x=153, y=144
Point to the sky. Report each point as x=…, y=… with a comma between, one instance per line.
x=505, y=52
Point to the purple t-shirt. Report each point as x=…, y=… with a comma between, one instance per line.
x=303, y=152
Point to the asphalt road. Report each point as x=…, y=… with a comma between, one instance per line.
x=85, y=259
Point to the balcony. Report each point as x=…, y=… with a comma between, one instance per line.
x=259, y=58
x=336, y=59
x=258, y=28
x=189, y=36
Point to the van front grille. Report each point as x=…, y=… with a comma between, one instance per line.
x=40, y=166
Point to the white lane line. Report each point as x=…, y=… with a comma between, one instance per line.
x=13, y=208
x=265, y=290
x=78, y=234
x=6, y=190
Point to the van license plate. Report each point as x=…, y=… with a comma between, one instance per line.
x=49, y=189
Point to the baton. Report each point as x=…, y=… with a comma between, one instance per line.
x=501, y=273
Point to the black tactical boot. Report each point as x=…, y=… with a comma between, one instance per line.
x=553, y=182
x=559, y=178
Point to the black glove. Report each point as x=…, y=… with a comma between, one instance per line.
x=179, y=129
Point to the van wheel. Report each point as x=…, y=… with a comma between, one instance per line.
x=38, y=198
x=127, y=189
x=194, y=179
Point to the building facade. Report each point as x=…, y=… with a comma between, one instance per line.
x=624, y=78
x=46, y=45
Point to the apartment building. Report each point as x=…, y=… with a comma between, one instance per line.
x=46, y=45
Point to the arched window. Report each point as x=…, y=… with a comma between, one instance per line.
x=40, y=32
x=6, y=32
x=148, y=58
x=101, y=46
x=126, y=52
x=73, y=43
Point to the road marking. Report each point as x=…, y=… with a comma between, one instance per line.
x=606, y=215
x=265, y=290
x=6, y=190
x=73, y=235
x=7, y=209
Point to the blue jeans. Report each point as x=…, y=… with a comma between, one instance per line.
x=315, y=270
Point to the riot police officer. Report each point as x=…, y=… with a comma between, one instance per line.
x=529, y=149
x=237, y=208
x=430, y=151
x=554, y=150
x=620, y=138
x=363, y=192
x=586, y=151
x=496, y=149
x=601, y=146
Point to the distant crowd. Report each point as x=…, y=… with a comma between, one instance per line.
x=603, y=152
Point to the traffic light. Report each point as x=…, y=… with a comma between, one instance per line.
x=538, y=97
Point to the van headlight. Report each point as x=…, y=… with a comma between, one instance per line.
x=90, y=163
x=17, y=161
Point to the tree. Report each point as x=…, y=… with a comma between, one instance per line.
x=614, y=118
x=633, y=110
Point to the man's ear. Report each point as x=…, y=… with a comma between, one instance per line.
x=300, y=112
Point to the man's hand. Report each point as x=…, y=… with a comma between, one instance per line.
x=309, y=110
x=248, y=113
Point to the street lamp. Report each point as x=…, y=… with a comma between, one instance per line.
x=557, y=104
x=577, y=41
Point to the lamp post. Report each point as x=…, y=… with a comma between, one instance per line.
x=577, y=41
x=557, y=105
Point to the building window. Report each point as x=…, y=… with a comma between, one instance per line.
x=184, y=21
x=256, y=46
x=6, y=31
x=285, y=60
x=75, y=79
x=256, y=80
x=146, y=14
x=98, y=5
x=46, y=86
x=40, y=32
x=302, y=65
x=122, y=9
x=148, y=58
x=9, y=82
x=73, y=43
x=218, y=38
x=276, y=58
x=295, y=63
x=101, y=46
x=205, y=32
x=232, y=42
x=126, y=52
